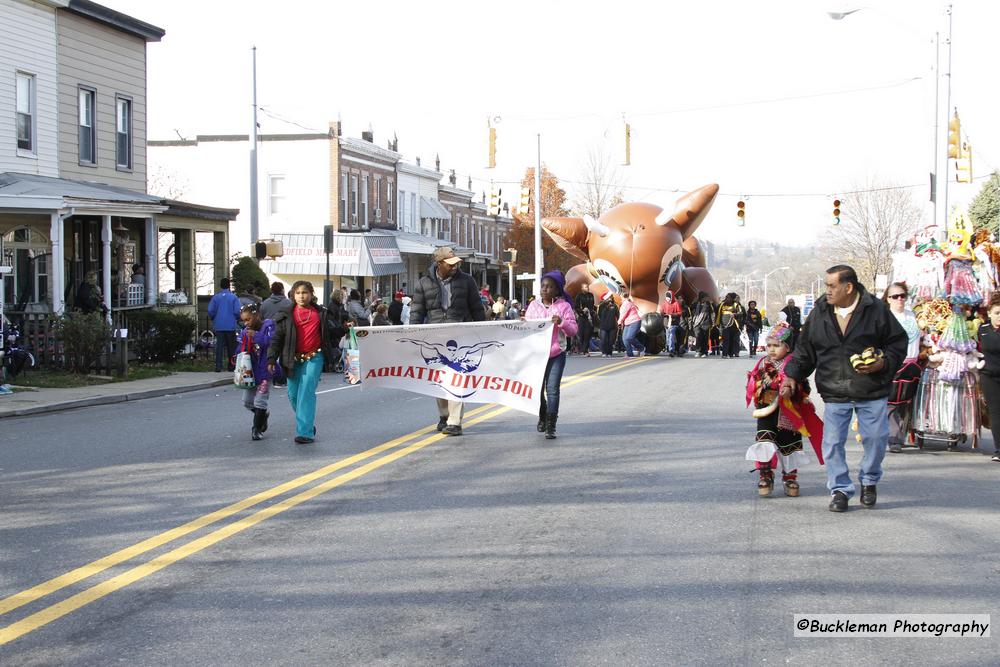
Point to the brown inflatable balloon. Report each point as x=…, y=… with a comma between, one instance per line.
x=639, y=248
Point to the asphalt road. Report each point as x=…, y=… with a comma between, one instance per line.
x=635, y=538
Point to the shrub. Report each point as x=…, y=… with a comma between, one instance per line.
x=84, y=337
x=160, y=335
x=247, y=273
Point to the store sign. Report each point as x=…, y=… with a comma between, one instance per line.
x=385, y=255
x=339, y=255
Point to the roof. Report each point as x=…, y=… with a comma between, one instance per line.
x=117, y=20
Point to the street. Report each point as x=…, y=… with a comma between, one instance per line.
x=634, y=538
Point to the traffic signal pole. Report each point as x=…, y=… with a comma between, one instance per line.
x=253, y=161
x=538, y=219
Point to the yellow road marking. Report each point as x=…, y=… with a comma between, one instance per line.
x=60, y=609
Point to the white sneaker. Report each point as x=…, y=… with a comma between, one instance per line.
x=996, y=458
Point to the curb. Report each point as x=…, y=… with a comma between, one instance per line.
x=111, y=398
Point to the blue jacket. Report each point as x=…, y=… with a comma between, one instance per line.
x=224, y=309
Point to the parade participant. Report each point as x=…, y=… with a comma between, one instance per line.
x=396, y=309
x=671, y=311
x=728, y=321
x=447, y=294
x=607, y=323
x=904, y=385
x=684, y=329
x=255, y=338
x=275, y=301
x=300, y=344
x=989, y=345
x=847, y=322
x=794, y=317
x=779, y=426
x=586, y=317
x=630, y=322
x=556, y=305
x=224, y=309
x=754, y=324
x=702, y=319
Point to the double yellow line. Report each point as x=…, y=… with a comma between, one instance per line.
x=74, y=602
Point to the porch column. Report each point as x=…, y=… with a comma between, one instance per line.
x=106, y=261
x=150, y=262
x=58, y=270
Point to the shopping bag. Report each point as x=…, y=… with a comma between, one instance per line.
x=352, y=369
x=243, y=374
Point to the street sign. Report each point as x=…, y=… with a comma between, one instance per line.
x=526, y=276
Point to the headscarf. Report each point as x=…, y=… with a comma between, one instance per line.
x=560, y=281
x=781, y=333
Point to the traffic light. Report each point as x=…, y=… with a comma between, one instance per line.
x=494, y=205
x=836, y=211
x=509, y=256
x=741, y=213
x=525, y=203
x=628, y=145
x=493, y=147
x=955, y=137
x=260, y=250
x=963, y=165
x=328, y=239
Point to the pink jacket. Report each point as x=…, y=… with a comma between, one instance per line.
x=536, y=311
x=630, y=313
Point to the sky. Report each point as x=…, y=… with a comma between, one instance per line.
x=779, y=104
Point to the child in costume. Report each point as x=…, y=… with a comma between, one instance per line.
x=255, y=338
x=780, y=423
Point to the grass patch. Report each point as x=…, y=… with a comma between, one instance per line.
x=55, y=379
x=59, y=379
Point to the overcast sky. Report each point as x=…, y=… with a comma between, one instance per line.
x=764, y=98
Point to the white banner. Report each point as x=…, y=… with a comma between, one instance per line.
x=481, y=362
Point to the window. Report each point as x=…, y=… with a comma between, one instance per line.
x=25, y=112
x=343, y=200
x=378, y=193
x=123, y=132
x=414, y=225
x=364, y=200
x=276, y=195
x=388, y=199
x=354, y=201
x=27, y=252
x=204, y=263
x=468, y=241
x=88, y=128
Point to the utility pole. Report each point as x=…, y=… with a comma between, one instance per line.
x=943, y=230
x=538, y=219
x=254, y=233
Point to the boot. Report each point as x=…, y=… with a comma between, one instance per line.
x=258, y=418
x=791, y=484
x=541, y=419
x=766, y=483
x=263, y=421
x=550, y=426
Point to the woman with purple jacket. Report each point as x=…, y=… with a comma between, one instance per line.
x=255, y=339
x=556, y=305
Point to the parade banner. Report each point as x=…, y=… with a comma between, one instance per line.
x=479, y=362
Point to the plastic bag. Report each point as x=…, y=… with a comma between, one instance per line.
x=352, y=367
x=243, y=375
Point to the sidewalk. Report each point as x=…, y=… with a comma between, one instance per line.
x=25, y=402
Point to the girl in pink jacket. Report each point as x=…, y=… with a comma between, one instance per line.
x=556, y=305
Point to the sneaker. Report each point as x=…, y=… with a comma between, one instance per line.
x=303, y=440
x=868, y=496
x=442, y=423
x=996, y=458
x=452, y=429
x=839, y=502
x=895, y=447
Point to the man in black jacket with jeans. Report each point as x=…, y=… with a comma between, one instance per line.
x=447, y=294
x=845, y=322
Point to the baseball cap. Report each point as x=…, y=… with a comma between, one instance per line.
x=398, y=295
x=446, y=255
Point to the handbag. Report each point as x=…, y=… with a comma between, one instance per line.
x=352, y=367
x=243, y=374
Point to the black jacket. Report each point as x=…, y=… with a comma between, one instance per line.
x=585, y=301
x=396, y=312
x=989, y=345
x=823, y=349
x=336, y=316
x=794, y=314
x=282, y=348
x=754, y=321
x=465, y=305
x=607, y=315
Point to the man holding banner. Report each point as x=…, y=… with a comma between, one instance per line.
x=447, y=294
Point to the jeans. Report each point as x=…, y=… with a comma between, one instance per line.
x=629, y=334
x=873, y=424
x=550, y=385
x=608, y=341
x=257, y=397
x=584, y=335
x=753, y=336
x=302, y=383
x=225, y=339
x=671, y=339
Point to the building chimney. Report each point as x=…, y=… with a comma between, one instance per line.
x=369, y=134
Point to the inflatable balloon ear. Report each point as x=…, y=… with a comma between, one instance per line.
x=639, y=249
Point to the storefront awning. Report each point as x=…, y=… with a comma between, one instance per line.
x=353, y=255
x=432, y=208
x=415, y=244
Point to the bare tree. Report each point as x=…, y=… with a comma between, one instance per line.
x=166, y=183
x=600, y=186
x=874, y=224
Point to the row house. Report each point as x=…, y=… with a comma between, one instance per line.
x=480, y=238
x=73, y=198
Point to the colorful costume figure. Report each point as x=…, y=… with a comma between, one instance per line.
x=781, y=423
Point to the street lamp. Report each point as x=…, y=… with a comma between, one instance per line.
x=766, y=275
x=936, y=182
